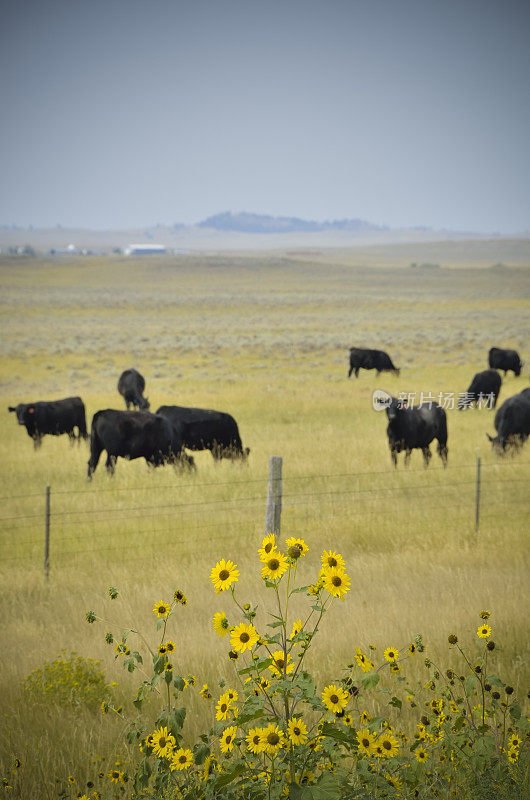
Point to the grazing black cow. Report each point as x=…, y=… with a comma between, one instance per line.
x=131, y=386
x=410, y=428
x=54, y=417
x=361, y=358
x=484, y=384
x=506, y=360
x=512, y=422
x=203, y=429
x=135, y=434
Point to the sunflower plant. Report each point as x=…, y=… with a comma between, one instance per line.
x=279, y=734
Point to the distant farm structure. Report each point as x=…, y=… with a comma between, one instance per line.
x=145, y=249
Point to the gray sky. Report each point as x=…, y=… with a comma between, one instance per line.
x=118, y=113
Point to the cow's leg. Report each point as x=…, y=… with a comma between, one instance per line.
x=37, y=441
x=407, y=457
x=350, y=372
x=110, y=463
x=393, y=456
x=442, y=452
x=95, y=452
x=426, y=456
x=357, y=372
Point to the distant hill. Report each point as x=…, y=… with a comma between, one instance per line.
x=263, y=223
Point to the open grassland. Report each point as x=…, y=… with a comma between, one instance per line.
x=265, y=337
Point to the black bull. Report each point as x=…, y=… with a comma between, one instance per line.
x=204, y=429
x=135, y=434
x=362, y=358
x=53, y=417
x=411, y=428
x=512, y=422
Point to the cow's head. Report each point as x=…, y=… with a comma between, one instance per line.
x=24, y=412
x=394, y=409
x=144, y=404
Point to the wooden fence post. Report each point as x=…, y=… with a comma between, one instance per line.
x=47, y=536
x=477, y=500
x=274, y=496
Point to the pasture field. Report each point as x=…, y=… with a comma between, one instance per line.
x=264, y=336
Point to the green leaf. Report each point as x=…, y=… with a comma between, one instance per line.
x=175, y=720
x=274, y=624
x=251, y=715
x=258, y=666
x=300, y=589
x=340, y=735
x=471, y=683
x=178, y=683
x=327, y=788
x=137, y=656
x=370, y=680
x=143, y=773
x=200, y=753
x=515, y=711
x=396, y=702
x=158, y=664
x=228, y=777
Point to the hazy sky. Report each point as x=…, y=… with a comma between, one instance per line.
x=118, y=113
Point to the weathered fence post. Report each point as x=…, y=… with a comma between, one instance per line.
x=274, y=496
x=477, y=500
x=47, y=536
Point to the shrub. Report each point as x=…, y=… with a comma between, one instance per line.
x=69, y=681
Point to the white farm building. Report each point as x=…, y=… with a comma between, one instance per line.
x=144, y=249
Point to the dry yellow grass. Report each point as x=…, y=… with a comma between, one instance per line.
x=265, y=338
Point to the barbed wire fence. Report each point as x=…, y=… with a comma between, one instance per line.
x=52, y=532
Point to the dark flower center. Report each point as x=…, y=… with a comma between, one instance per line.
x=280, y=663
x=224, y=707
x=296, y=731
x=387, y=745
x=366, y=742
x=273, y=738
x=334, y=699
x=256, y=739
x=294, y=552
x=224, y=575
x=182, y=759
x=268, y=547
x=244, y=637
x=333, y=562
x=336, y=580
x=274, y=564
x=162, y=610
x=162, y=741
x=228, y=739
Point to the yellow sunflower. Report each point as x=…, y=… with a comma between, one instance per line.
x=223, y=574
x=267, y=546
x=332, y=560
x=274, y=565
x=162, y=609
x=421, y=755
x=226, y=742
x=170, y=646
x=272, y=739
x=220, y=623
x=347, y=720
x=334, y=698
x=223, y=708
x=363, y=661
x=115, y=776
x=389, y=745
x=367, y=741
x=243, y=637
x=181, y=759
x=484, y=631
x=254, y=740
x=294, y=545
x=297, y=627
x=336, y=582
x=391, y=654
x=513, y=754
x=163, y=743
x=279, y=666
x=514, y=740
x=297, y=730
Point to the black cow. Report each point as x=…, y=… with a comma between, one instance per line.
x=411, y=428
x=483, y=384
x=203, y=429
x=512, y=422
x=131, y=386
x=361, y=358
x=506, y=360
x=135, y=434
x=54, y=417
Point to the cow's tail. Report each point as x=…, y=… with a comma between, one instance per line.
x=83, y=433
x=96, y=447
x=442, y=437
